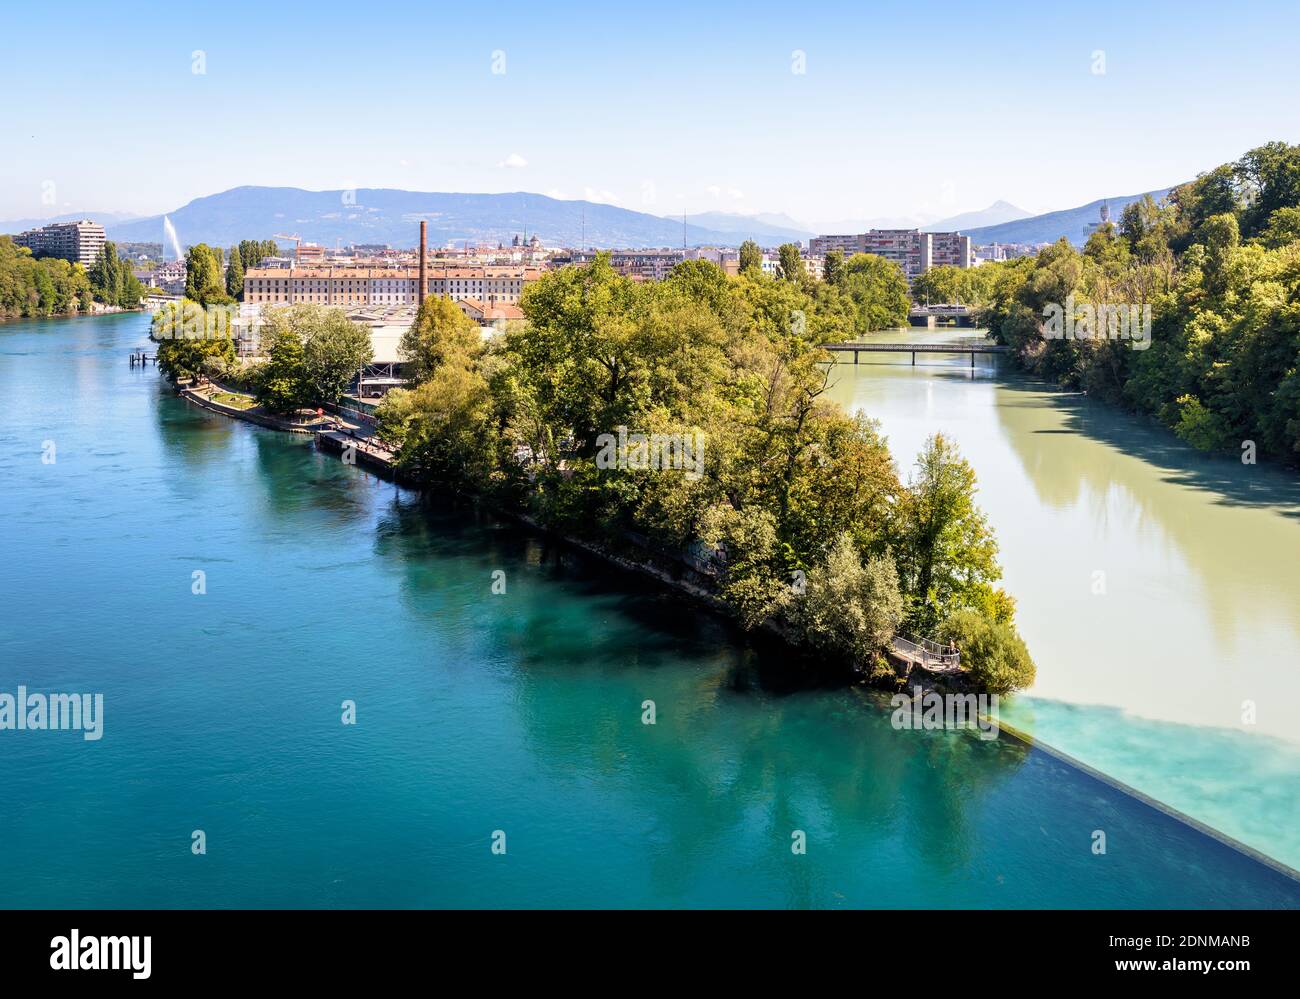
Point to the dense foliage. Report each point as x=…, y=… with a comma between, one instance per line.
x=1219, y=265
x=249, y=253
x=112, y=282
x=192, y=341
x=205, y=275
x=313, y=354
x=797, y=507
x=30, y=287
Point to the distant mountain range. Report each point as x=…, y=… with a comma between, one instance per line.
x=392, y=217
x=995, y=214
x=1072, y=223
x=766, y=230
x=370, y=215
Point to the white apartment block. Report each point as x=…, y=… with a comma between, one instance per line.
x=80, y=242
x=915, y=251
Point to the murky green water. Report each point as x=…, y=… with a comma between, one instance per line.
x=1158, y=589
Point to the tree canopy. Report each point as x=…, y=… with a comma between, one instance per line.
x=1218, y=266
x=736, y=455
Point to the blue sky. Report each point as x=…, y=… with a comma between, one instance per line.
x=903, y=108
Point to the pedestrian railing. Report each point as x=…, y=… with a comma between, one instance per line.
x=926, y=653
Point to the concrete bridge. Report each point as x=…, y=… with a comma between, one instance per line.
x=930, y=316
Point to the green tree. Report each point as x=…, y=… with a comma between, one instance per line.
x=751, y=258
x=440, y=328
x=850, y=608
x=282, y=385
x=111, y=280
x=833, y=267
x=879, y=292
x=443, y=425
x=791, y=263
x=946, y=552
x=39, y=287
x=190, y=339
x=334, y=352
x=752, y=583
x=205, y=281
x=993, y=652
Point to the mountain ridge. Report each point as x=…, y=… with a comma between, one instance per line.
x=1072, y=223
x=391, y=216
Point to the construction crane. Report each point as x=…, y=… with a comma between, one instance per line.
x=297, y=241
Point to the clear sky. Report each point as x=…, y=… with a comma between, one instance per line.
x=902, y=108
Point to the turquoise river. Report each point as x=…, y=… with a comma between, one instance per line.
x=521, y=713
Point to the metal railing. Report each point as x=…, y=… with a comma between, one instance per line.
x=926, y=653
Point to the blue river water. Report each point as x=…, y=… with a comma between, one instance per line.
x=481, y=718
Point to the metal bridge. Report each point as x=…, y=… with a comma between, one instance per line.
x=971, y=347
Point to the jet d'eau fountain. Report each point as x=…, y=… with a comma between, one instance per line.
x=169, y=231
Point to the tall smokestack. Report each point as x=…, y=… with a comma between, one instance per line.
x=424, y=249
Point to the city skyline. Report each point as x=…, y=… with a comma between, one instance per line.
x=841, y=114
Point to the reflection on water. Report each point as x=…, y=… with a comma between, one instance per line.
x=1198, y=614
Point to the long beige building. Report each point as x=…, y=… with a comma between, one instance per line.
x=350, y=286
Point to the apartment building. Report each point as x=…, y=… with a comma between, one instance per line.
x=915, y=251
x=819, y=246
x=80, y=242
x=951, y=249
x=355, y=286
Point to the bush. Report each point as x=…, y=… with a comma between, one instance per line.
x=994, y=653
x=849, y=608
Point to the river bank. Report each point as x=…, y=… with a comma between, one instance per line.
x=97, y=311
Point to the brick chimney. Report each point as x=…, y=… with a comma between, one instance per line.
x=424, y=249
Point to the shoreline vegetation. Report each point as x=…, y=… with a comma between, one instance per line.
x=45, y=287
x=686, y=418
x=1213, y=272
x=689, y=416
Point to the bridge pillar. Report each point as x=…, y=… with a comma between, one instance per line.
x=972, y=360
x=855, y=357
x=914, y=359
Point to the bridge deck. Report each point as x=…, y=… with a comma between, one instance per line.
x=908, y=348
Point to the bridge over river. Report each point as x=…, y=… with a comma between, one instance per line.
x=971, y=347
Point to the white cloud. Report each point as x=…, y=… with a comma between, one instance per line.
x=718, y=193
x=513, y=162
x=600, y=195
